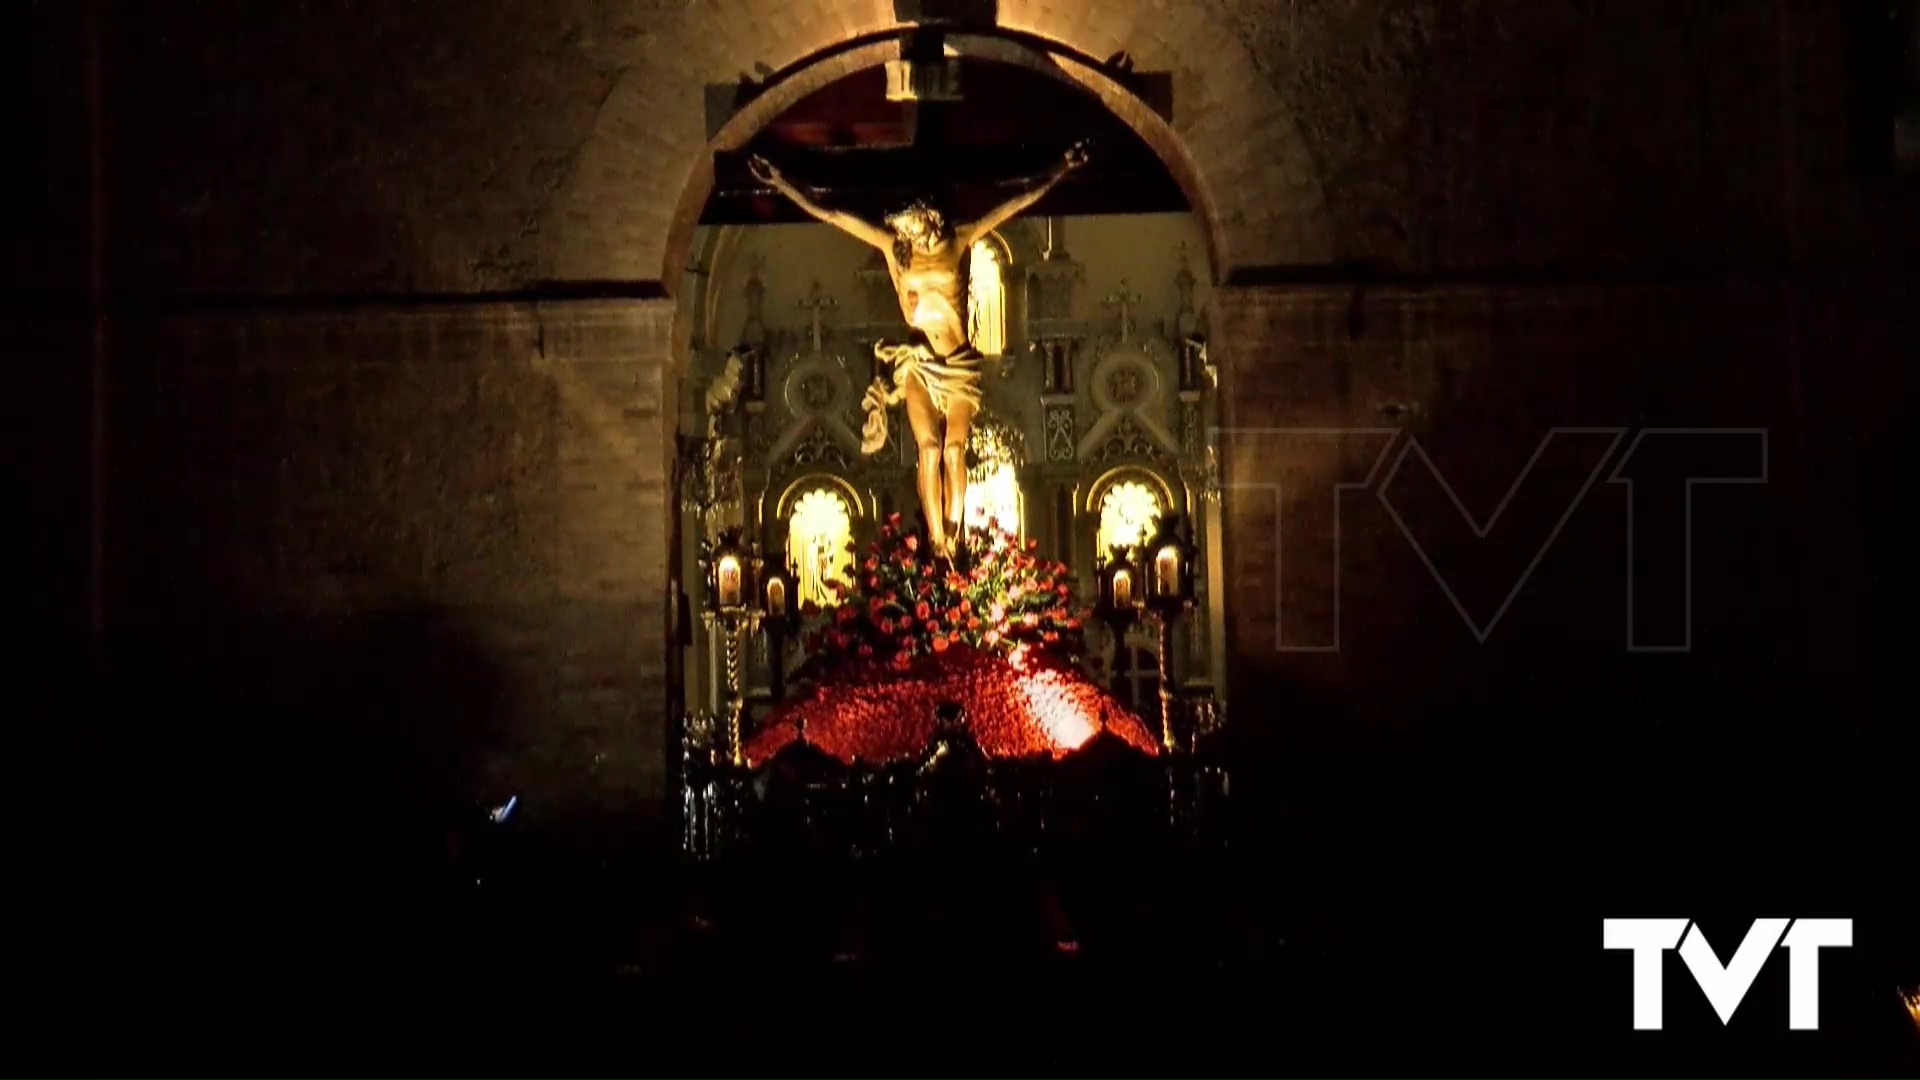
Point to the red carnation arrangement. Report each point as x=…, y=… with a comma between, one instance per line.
x=996, y=634
x=903, y=604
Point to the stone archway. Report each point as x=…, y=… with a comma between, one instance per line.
x=638, y=184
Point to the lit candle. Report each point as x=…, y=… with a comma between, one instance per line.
x=1122, y=588
x=1166, y=565
x=777, y=597
x=729, y=581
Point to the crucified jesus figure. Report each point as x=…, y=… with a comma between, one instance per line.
x=939, y=376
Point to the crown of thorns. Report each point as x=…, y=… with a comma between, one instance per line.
x=921, y=209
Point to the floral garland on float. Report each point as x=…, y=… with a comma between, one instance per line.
x=997, y=633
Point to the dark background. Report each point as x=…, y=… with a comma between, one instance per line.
x=292, y=279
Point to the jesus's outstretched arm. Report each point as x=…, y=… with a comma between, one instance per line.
x=1074, y=158
x=850, y=224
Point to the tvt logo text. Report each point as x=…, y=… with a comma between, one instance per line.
x=1725, y=986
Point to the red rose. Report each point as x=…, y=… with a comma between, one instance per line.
x=966, y=607
x=886, y=626
x=940, y=643
x=902, y=661
x=873, y=582
x=922, y=610
x=845, y=615
x=906, y=621
x=866, y=650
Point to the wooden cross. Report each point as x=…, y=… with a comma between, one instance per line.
x=818, y=303
x=1124, y=301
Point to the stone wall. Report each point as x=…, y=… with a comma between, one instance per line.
x=352, y=146
x=419, y=546
x=1792, y=607
x=468, y=499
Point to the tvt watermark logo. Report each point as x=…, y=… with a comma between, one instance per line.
x=1726, y=985
x=1308, y=475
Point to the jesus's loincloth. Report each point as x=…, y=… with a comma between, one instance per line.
x=946, y=379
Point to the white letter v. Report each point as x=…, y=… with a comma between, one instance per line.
x=1726, y=986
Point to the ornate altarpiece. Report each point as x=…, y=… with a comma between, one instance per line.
x=1091, y=423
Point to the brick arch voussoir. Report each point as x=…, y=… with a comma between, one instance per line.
x=642, y=180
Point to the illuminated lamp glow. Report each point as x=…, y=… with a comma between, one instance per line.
x=1059, y=712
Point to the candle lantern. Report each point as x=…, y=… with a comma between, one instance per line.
x=777, y=591
x=730, y=567
x=733, y=606
x=779, y=617
x=1170, y=568
x=1169, y=594
x=1120, y=592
